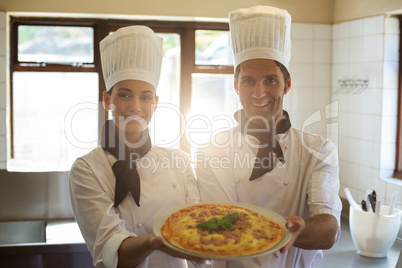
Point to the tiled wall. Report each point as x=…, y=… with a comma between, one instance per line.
x=310, y=68
x=3, y=94
x=367, y=49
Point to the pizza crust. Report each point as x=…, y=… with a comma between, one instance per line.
x=253, y=233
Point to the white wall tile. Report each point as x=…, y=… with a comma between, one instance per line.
x=391, y=47
x=356, y=71
x=344, y=51
x=354, y=174
x=301, y=31
x=336, y=50
x=354, y=125
x=344, y=30
x=302, y=51
x=390, y=102
x=340, y=72
x=3, y=130
x=356, y=28
x=3, y=20
x=342, y=173
x=322, y=51
x=388, y=129
x=364, y=180
x=369, y=48
x=304, y=96
x=2, y=69
x=299, y=118
x=302, y=75
x=377, y=152
x=390, y=75
x=343, y=123
x=370, y=128
x=322, y=75
x=3, y=149
x=380, y=25
x=373, y=100
x=370, y=26
x=332, y=109
x=2, y=42
x=373, y=73
x=355, y=101
x=335, y=32
x=3, y=96
x=352, y=150
x=387, y=159
x=322, y=32
x=379, y=52
x=368, y=154
x=356, y=51
x=320, y=98
x=391, y=25
x=292, y=99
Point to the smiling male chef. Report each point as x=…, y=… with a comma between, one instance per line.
x=264, y=160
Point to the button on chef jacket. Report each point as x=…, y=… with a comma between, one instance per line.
x=164, y=184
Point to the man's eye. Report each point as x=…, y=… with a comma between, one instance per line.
x=124, y=96
x=247, y=81
x=271, y=80
x=146, y=98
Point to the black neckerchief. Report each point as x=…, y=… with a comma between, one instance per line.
x=268, y=143
x=125, y=168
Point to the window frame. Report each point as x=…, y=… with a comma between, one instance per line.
x=185, y=29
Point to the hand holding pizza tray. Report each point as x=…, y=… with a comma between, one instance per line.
x=222, y=230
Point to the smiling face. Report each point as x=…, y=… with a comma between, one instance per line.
x=133, y=104
x=261, y=87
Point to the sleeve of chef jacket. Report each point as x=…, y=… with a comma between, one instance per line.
x=323, y=186
x=96, y=216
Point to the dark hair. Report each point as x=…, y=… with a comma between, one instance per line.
x=283, y=69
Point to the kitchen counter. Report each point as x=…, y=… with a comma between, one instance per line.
x=64, y=243
x=63, y=247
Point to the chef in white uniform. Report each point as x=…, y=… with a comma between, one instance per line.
x=264, y=160
x=119, y=188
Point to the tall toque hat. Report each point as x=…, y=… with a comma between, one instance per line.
x=260, y=32
x=131, y=53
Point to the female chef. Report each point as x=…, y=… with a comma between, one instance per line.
x=119, y=188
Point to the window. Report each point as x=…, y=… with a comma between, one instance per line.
x=54, y=95
x=57, y=85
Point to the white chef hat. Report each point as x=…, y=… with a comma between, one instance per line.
x=260, y=32
x=131, y=53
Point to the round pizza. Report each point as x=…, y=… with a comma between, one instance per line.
x=221, y=230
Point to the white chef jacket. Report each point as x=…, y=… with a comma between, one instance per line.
x=306, y=185
x=167, y=180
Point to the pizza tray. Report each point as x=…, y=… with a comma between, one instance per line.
x=161, y=219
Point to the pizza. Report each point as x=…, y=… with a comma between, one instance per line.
x=221, y=230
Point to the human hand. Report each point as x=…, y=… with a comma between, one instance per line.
x=295, y=225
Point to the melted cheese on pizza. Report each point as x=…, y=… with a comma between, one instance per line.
x=252, y=232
